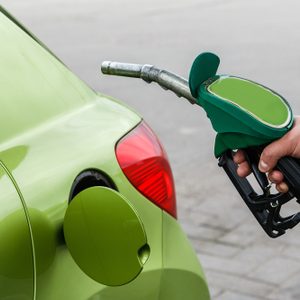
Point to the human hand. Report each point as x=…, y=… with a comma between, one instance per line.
x=288, y=145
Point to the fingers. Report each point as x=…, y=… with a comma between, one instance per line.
x=288, y=145
x=282, y=187
x=272, y=153
x=243, y=169
x=275, y=176
x=239, y=157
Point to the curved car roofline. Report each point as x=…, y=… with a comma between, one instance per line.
x=21, y=26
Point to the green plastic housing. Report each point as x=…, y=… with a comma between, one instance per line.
x=242, y=112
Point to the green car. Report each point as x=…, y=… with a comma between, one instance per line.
x=87, y=197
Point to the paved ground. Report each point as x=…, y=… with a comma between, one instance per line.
x=255, y=39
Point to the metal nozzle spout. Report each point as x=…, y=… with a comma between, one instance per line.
x=149, y=73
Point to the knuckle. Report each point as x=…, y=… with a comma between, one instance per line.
x=267, y=154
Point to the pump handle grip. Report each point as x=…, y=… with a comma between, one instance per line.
x=290, y=168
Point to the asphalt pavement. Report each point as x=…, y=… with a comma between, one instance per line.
x=259, y=40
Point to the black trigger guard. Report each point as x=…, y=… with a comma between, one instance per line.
x=265, y=206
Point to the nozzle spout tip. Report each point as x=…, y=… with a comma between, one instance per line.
x=105, y=67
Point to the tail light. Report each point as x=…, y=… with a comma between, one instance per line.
x=145, y=164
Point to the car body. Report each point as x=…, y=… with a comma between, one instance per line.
x=58, y=141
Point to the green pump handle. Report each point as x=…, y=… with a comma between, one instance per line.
x=247, y=115
x=242, y=112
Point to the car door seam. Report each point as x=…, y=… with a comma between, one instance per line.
x=28, y=223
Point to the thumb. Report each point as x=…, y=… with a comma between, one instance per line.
x=272, y=153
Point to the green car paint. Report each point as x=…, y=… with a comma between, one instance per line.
x=16, y=252
x=238, y=109
x=93, y=213
x=53, y=128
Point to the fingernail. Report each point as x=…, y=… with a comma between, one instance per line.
x=263, y=167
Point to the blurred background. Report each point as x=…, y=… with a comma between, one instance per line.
x=259, y=40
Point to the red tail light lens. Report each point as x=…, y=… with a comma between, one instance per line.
x=145, y=164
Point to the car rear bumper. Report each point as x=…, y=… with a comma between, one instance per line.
x=182, y=277
x=177, y=276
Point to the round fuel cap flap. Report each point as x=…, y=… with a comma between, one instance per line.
x=105, y=236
